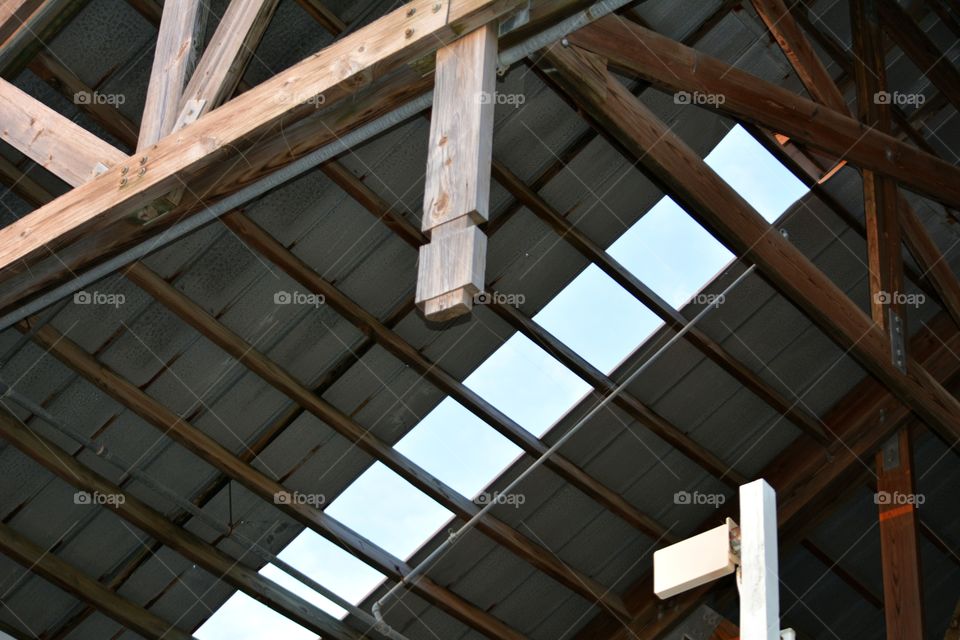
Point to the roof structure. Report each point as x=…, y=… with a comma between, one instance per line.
x=254, y=255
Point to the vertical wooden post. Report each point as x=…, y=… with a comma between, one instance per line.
x=759, y=577
x=457, y=190
x=897, y=501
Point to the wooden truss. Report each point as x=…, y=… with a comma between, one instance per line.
x=184, y=153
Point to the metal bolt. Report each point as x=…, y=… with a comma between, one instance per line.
x=142, y=171
x=411, y=11
x=408, y=33
x=123, y=181
x=143, y=160
x=565, y=42
x=436, y=7
x=123, y=171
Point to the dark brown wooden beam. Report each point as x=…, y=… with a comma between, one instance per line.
x=42, y=26
x=72, y=580
x=669, y=64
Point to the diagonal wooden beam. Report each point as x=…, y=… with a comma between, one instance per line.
x=401, y=36
x=13, y=13
x=178, y=41
x=934, y=64
x=154, y=524
x=804, y=60
x=666, y=63
x=215, y=454
x=225, y=58
x=731, y=219
x=66, y=149
x=75, y=582
x=42, y=26
x=194, y=315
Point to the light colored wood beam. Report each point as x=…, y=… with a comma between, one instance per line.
x=59, y=145
x=179, y=38
x=457, y=190
x=69, y=578
x=418, y=28
x=671, y=65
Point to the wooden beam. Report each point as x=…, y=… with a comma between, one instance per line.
x=13, y=13
x=209, y=450
x=41, y=27
x=225, y=58
x=78, y=584
x=178, y=42
x=457, y=190
x=542, y=559
x=406, y=34
x=669, y=64
x=879, y=192
x=151, y=522
x=731, y=219
x=933, y=63
x=259, y=240
x=64, y=148
x=804, y=60
x=899, y=543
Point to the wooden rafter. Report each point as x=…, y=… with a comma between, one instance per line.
x=40, y=27
x=669, y=64
x=13, y=14
x=74, y=581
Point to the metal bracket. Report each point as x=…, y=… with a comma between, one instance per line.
x=898, y=353
x=891, y=453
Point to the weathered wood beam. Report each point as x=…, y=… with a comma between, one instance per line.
x=932, y=62
x=225, y=58
x=899, y=542
x=406, y=34
x=64, y=148
x=264, y=244
x=78, y=584
x=879, y=192
x=41, y=27
x=731, y=219
x=215, y=454
x=154, y=524
x=272, y=373
x=798, y=51
x=178, y=42
x=13, y=13
x=457, y=189
x=669, y=64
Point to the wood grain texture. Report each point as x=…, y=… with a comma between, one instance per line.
x=72, y=580
x=180, y=35
x=59, y=145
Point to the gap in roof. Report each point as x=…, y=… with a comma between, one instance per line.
x=666, y=249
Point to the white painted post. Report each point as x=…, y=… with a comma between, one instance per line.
x=759, y=575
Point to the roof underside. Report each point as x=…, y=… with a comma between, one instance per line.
x=336, y=236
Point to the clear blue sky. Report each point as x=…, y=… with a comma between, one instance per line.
x=666, y=249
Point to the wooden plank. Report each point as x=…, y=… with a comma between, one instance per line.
x=226, y=57
x=64, y=148
x=406, y=34
x=759, y=573
x=932, y=62
x=706, y=196
x=178, y=41
x=457, y=188
x=669, y=64
x=145, y=518
x=804, y=60
x=879, y=192
x=283, y=381
x=899, y=543
x=212, y=452
x=13, y=14
x=42, y=26
x=75, y=582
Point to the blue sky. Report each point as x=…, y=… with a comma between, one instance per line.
x=666, y=249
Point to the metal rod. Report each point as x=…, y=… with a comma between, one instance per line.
x=101, y=450
x=427, y=562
